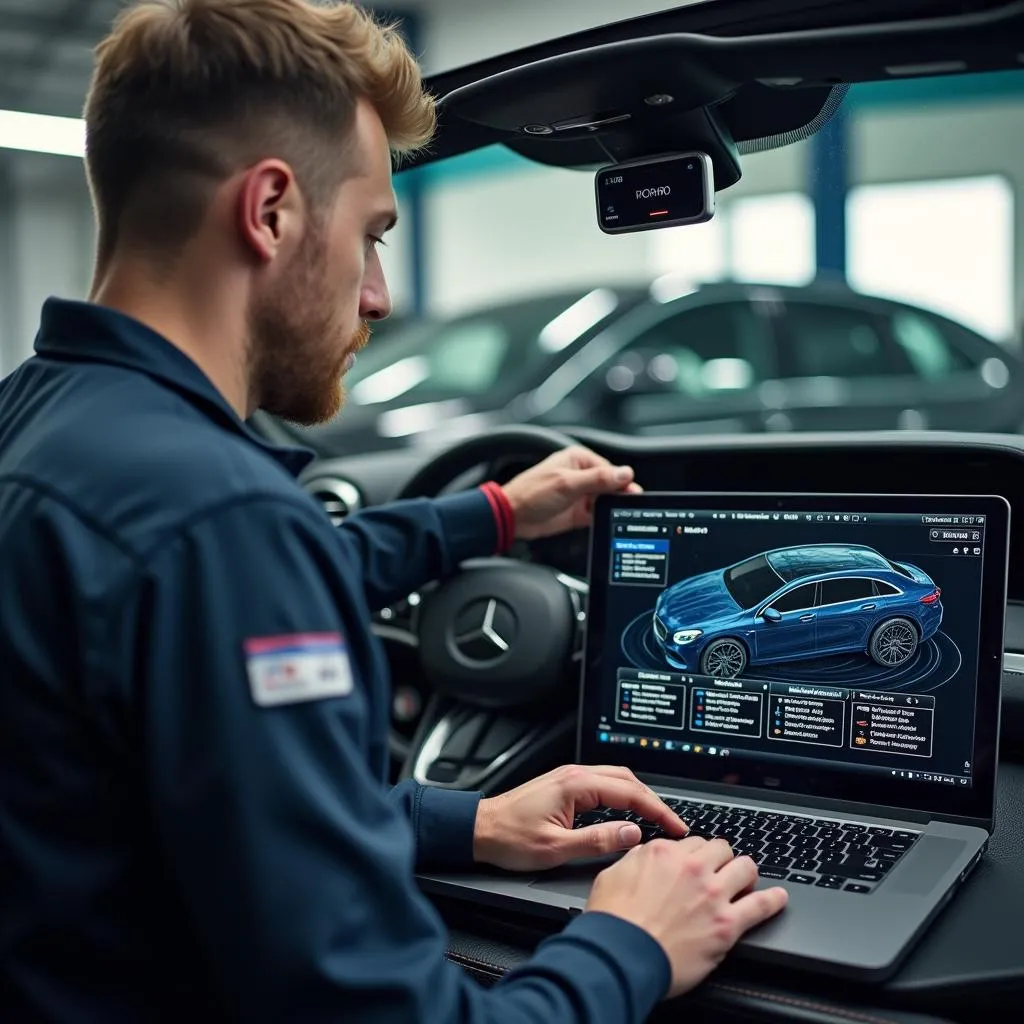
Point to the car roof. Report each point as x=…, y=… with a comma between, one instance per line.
x=806, y=560
x=759, y=75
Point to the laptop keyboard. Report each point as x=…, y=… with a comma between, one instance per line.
x=824, y=852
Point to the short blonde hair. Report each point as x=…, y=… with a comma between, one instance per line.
x=187, y=92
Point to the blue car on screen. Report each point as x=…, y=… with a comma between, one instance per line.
x=795, y=603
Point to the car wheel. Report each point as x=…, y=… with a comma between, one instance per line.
x=724, y=659
x=893, y=643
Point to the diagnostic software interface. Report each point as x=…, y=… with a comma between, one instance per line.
x=849, y=637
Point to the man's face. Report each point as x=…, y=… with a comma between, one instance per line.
x=307, y=326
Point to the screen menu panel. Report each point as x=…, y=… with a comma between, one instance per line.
x=798, y=635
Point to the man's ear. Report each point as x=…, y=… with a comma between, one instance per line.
x=269, y=208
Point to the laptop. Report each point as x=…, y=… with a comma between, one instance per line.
x=815, y=678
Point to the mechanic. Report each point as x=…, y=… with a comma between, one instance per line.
x=193, y=710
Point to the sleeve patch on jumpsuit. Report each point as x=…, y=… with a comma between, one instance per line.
x=297, y=667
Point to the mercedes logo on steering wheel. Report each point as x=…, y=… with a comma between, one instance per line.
x=484, y=631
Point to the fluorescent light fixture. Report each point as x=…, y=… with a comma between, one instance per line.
x=390, y=382
x=672, y=286
x=416, y=419
x=575, y=321
x=452, y=430
x=42, y=133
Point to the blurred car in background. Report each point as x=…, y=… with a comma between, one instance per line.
x=670, y=359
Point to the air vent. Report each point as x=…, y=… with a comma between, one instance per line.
x=339, y=497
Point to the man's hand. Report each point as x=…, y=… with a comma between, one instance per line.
x=693, y=897
x=558, y=494
x=530, y=827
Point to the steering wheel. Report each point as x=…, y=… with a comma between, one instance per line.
x=496, y=639
x=430, y=479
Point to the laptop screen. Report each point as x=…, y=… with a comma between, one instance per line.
x=846, y=646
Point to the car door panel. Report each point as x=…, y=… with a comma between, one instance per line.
x=847, y=611
x=794, y=636
x=839, y=368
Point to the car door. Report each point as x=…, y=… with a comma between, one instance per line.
x=791, y=635
x=839, y=368
x=962, y=381
x=687, y=367
x=848, y=608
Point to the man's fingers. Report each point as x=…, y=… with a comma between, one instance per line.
x=606, y=479
x=590, y=789
x=758, y=906
x=579, y=457
x=615, y=771
x=692, y=844
x=604, y=837
x=618, y=772
x=718, y=853
x=738, y=875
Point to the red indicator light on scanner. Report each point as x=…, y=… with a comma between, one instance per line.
x=658, y=213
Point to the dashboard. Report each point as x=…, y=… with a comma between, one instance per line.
x=910, y=463
x=898, y=462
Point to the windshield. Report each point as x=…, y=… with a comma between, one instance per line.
x=750, y=582
x=862, y=279
x=484, y=352
x=865, y=278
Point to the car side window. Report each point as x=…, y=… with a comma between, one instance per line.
x=469, y=356
x=699, y=354
x=798, y=599
x=463, y=358
x=852, y=588
x=883, y=589
x=925, y=345
x=698, y=350
x=837, y=341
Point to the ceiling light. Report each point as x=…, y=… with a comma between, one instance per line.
x=42, y=133
x=415, y=419
x=580, y=317
x=937, y=67
x=391, y=382
x=672, y=286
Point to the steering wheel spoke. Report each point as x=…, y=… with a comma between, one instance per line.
x=498, y=638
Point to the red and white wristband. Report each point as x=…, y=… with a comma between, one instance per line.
x=504, y=516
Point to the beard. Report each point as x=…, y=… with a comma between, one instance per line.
x=298, y=343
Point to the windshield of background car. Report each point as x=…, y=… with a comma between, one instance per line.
x=750, y=582
x=465, y=356
x=866, y=278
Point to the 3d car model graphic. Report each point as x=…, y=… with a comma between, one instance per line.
x=795, y=603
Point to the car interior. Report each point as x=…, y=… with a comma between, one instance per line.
x=739, y=84
x=739, y=78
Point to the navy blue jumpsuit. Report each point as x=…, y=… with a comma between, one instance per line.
x=194, y=813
